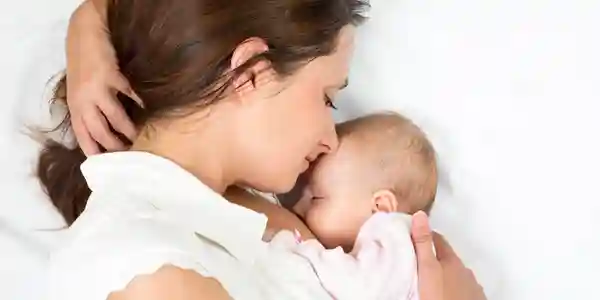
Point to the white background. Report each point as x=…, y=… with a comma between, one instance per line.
x=509, y=92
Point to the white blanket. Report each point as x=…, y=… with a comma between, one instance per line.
x=507, y=90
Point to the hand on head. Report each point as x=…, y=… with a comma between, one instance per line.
x=442, y=275
x=91, y=95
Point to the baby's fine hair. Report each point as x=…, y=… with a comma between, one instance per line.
x=402, y=159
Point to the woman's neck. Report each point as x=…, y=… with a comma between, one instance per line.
x=205, y=162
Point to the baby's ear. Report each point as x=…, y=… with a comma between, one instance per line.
x=384, y=201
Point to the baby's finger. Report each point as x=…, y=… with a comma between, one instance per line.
x=99, y=130
x=84, y=139
x=429, y=269
x=118, y=118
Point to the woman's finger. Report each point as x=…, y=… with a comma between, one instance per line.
x=121, y=84
x=99, y=130
x=443, y=249
x=430, y=275
x=118, y=118
x=84, y=139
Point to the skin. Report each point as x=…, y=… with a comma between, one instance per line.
x=242, y=132
x=297, y=100
x=334, y=203
x=279, y=217
x=346, y=187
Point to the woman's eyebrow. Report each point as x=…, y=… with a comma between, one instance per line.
x=343, y=85
x=339, y=87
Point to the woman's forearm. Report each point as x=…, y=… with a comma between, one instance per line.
x=87, y=32
x=90, y=13
x=100, y=6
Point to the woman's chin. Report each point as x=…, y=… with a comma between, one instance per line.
x=280, y=182
x=284, y=187
x=278, y=187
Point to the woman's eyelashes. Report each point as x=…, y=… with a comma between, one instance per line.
x=329, y=102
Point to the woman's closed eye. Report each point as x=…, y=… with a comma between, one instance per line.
x=329, y=102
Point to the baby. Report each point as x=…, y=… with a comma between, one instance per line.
x=384, y=164
x=358, y=201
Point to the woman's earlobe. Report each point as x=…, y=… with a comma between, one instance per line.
x=384, y=201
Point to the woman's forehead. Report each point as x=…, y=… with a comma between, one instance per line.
x=336, y=66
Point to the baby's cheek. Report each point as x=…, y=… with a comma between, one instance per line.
x=318, y=221
x=329, y=230
x=314, y=220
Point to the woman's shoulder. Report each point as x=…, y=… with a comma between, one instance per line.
x=106, y=228
x=102, y=255
x=111, y=246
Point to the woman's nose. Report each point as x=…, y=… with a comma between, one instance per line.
x=330, y=143
x=327, y=145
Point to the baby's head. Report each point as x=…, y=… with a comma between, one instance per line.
x=384, y=164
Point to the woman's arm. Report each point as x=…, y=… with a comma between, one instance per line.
x=172, y=283
x=99, y=4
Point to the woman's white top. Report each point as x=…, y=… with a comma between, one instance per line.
x=146, y=212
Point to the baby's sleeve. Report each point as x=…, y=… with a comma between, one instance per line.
x=382, y=264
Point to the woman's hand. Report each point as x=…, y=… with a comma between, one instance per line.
x=93, y=80
x=442, y=276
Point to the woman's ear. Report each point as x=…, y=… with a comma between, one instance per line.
x=245, y=52
x=384, y=201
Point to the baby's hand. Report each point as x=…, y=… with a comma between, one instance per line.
x=291, y=237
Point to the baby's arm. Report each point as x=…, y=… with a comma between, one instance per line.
x=382, y=264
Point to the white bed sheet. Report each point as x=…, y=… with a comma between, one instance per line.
x=507, y=90
x=32, y=34
x=510, y=93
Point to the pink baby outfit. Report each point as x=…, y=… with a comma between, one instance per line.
x=381, y=266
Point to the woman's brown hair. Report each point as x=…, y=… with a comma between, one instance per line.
x=176, y=55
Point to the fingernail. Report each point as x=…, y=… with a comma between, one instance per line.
x=420, y=220
x=420, y=214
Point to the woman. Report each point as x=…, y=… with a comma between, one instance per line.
x=233, y=93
